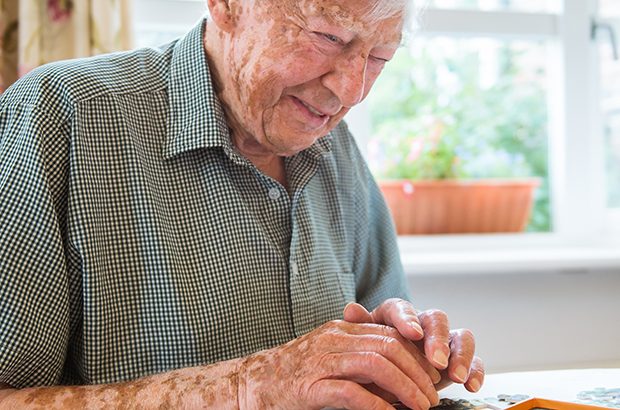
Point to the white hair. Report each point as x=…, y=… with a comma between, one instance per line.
x=411, y=10
x=380, y=9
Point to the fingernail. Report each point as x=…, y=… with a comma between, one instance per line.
x=423, y=402
x=474, y=384
x=440, y=358
x=461, y=373
x=417, y=328
x=435, y=376
x=435, y=399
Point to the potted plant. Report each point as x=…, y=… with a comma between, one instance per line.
x=458, y=132
x=432, y=185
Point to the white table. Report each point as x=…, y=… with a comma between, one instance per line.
x=563, y=385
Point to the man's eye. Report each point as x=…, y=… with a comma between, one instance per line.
x=379, y=59
x=331, y=38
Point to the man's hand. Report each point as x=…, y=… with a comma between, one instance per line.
x=341, y=365
x=449, y=350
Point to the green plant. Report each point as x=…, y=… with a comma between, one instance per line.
x=435, y=104
x=431, y=148
x=414, y=150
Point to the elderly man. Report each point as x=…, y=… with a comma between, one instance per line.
x=181, y=227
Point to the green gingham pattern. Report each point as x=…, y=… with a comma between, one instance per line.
x=135, y=239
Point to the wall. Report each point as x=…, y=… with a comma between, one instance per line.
x=531, y=321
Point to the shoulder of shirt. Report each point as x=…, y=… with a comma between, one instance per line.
x=344, y=144
x=346, y=153
x=60, y=86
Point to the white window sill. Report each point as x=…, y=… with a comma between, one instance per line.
x=506, y=254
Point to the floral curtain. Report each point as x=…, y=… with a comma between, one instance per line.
x=35, y=32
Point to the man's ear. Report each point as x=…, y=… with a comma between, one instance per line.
x=221, y=14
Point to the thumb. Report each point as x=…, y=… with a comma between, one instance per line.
x=356, y=313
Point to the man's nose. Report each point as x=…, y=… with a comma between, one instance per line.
x=347, y=79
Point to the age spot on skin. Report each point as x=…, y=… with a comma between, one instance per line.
x=77, y=401
x=42, y=399
x=130, y=393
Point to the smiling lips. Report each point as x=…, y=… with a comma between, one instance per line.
x=312, y=110
x=313, y=116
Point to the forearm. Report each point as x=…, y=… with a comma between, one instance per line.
x=213, y=386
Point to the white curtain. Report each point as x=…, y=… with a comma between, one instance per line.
x=35, y=32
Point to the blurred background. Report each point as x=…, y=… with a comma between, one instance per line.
x=480, y=90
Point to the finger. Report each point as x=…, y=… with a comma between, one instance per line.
x=436, y=337
x=378, y=391
x=445, y=381
x=387, y=396
x=399, y=351
x=356, y=313
x=374, y=367
x=389, y=332
x=427, y=366
x=345, y=394
x=401, y=315
x=462, y=347
x=476, y=375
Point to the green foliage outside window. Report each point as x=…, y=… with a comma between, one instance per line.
x=432, y=119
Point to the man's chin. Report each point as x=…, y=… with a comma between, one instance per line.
x=287, y=146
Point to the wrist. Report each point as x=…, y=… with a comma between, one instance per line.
x=241, y=384
x=255, y=384
x=248, y=388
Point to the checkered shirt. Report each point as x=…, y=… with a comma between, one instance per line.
x=135, y=239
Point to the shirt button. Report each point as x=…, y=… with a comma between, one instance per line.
x=274, y=193
x=294, y=269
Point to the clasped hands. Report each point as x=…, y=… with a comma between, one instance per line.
x=366, y=361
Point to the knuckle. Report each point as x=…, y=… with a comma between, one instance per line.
x=349, y=395
x=437, y=315
x=466, y=337
x=334, y=324
x=389, y=344
x=335, y=327
x=328, y=327
x=466, y=333
x=408, y=306
x=390, y=332
x=308, y=392
x=326, y=363
x=478, y=365
x=373, y=360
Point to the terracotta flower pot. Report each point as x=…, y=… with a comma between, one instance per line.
x=459, y=206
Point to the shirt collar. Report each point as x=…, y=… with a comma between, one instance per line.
x=196, y=116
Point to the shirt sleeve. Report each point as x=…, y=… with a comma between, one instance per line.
x=380, y=273
x=376, y=261
x=33, y=276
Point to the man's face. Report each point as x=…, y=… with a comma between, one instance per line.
x=293, y=68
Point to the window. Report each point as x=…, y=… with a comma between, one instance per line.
x=609, y=25
x=484, y=60
x=485, y=97
x=486, y=5
x=157, y=22
x=479, y=70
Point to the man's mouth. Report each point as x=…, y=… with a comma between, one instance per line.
x=313, y=117
x=312, y=109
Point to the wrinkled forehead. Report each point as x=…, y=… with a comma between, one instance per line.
x=371, y=10
x=351, y=14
